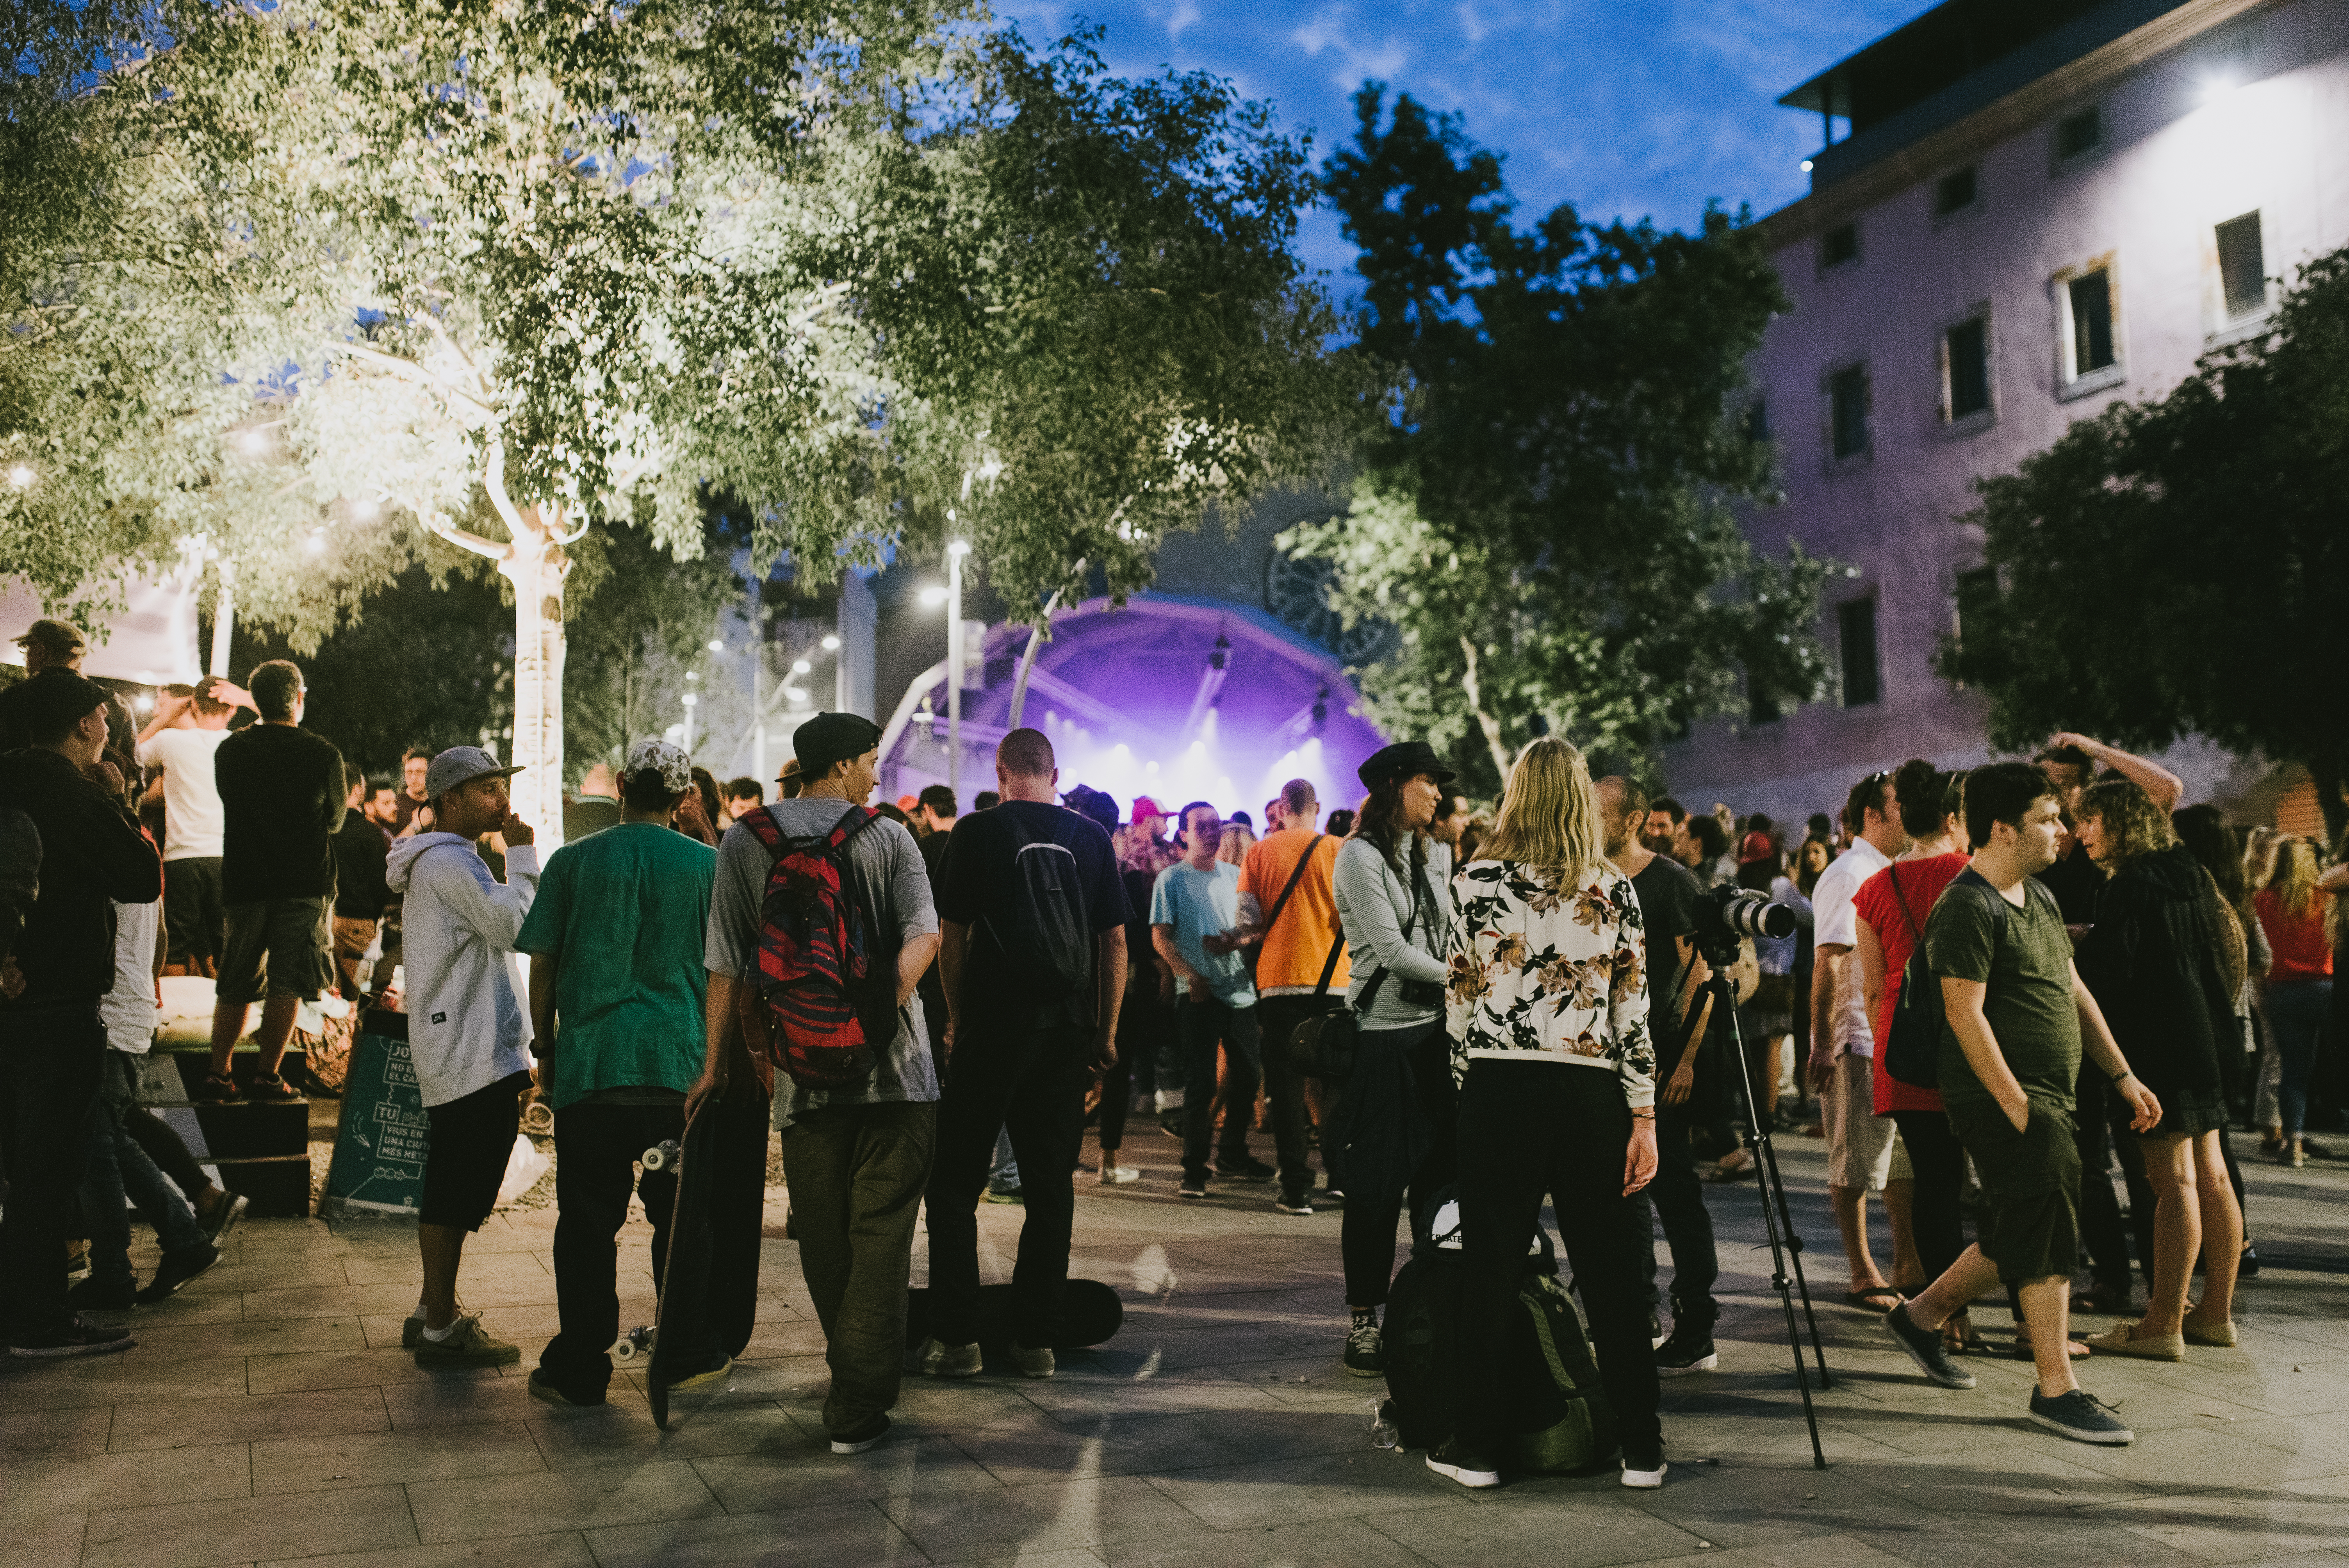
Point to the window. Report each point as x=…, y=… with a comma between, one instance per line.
x=1965, y=369
x=2242, y=266
x=1760, y=703
x=1954, y=193
x=2079, y=133
x=2091, y=298
x=1839, y=245
x=1856, y=640
x=1847, y=411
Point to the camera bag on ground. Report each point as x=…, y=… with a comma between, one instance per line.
x=1912, y=1050
x=1559, y=1420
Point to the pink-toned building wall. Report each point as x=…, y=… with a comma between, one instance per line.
x=2249, y=113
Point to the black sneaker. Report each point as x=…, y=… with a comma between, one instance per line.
x=214, y=1089
x=79, y=1339
x=269, y=1088
x=95, y=1294
x=1690, y=1349
x=1294, y=1202
x=1243, y=1168
x=1465, y=1464
x=1006, y=1195
x=2081, y=1417
x=861, y=1435
x=225, y=1214
x=1192, y=1187
x=1925, y=1349
x=1366, y=1351
x=176, y=1269
x=1172, y=1125
x=544, y=1388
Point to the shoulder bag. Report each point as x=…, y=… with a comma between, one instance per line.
x=1322, y=1047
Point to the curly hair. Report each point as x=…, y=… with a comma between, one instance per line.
x=2136, y=826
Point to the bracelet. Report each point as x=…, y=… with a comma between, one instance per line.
x=1643, y=1116
x=2122, y=1076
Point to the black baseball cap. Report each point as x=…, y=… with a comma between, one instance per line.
x=1404, y=759
x=831, y=738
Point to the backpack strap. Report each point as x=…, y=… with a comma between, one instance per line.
x=1916, y=937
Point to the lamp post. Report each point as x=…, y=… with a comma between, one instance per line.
x=956, y=551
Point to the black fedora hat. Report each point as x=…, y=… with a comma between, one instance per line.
x=1404, y=759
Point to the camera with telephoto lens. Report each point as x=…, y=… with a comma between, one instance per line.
x=1727, y=914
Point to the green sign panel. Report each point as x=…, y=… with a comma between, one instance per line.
x=380, y=1153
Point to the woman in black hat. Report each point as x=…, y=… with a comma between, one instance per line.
x=1394, y=1114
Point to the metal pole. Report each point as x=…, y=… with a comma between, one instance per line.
x=1028, y=660
x=224, y=616
x=955, y=553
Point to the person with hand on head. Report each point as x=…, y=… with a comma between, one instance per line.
x=2017, y=1019
x=183, y=739
x=467, y=1031
x=1548, y=1013
x=857, y=1159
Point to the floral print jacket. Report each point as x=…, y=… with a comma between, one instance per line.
x=1552, y=969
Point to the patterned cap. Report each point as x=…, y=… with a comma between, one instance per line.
x=671, y=761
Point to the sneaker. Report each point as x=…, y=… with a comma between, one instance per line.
x=541, y=1388
x=95, y=1294
x=177, y=1269
x=1644, y=1472
x=708, y=1378
x=1690, y=1349
x=1118, y=1175
x=412, y=1330
x=1035, y=1360
x=1925, y=1349
x=215, y=1089
x=861, y=1435
x=80, y=1338
x=1333, y=1197
x=1366, y=1351
x=2081, y=1417
x=225, y=1214
x=1192, y=1187
x=78, y=1266
x=1457, y=1460
x=951, y=1360
x=466, y=1344
x=1294, y=1202
x=1243, y=1168
x=1172, y=1125
x=1006, y=1195
x=269, y=1088
x=2250, y=1267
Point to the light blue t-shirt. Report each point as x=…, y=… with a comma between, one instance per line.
x=1197, y=903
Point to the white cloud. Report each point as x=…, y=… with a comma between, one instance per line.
x=1186, y=14
x=1472, y=27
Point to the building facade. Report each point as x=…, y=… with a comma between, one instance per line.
x=2031, y=212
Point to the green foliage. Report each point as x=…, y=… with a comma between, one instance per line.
x=640, y=621
x=1545, y=516
x=2178, y=566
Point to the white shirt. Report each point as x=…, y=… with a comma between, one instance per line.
x=192, y=817
x=1835, y=922
x=128, y=1010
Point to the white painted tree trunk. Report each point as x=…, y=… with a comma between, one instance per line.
x=537, y=567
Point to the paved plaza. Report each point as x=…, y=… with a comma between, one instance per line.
x=268, y=1415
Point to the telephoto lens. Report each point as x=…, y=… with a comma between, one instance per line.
x=1749, y=914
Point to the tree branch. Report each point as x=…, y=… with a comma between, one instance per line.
x=439, y=523
x=409, y=371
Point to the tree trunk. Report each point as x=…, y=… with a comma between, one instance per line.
x=1484, y=721
x=537, y=567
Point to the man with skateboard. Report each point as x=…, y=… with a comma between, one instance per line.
x=857, y=1158
x=615, y=997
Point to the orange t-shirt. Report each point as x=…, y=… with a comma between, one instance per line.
x=1298, y=944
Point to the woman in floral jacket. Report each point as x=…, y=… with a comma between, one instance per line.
x=1548, y=1011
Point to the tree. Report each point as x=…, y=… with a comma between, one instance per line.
x=506, y=272
x=2178, y=566
x=1545, y=515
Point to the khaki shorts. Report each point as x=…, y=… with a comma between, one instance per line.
x=278, y=947
x=1864, y=1150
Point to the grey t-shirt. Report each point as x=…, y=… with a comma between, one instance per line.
x=886, y=878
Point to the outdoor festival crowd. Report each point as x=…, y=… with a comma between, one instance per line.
x=1998, y=982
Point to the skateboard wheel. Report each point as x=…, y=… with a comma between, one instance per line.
x=635, y=1342
x=625, y=1350
x=661, y=1155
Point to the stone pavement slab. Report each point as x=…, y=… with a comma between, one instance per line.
x=268, y=1416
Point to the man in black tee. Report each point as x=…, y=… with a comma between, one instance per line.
x=282, y=794
x=1017, y=1060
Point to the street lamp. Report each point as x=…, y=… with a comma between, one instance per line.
x=956, y=552
x=690, y=701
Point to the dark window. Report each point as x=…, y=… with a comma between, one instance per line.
x=1976, y=596
x=2092, y=323
x=1839, y=245
x=2243, y=265
x=1856, y=639
x=2079, y=133
x=1953, y=192
x=1968, y=344
x=1848, y=411
x=1757, y=420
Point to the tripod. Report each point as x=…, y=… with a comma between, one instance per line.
x=1786, y=1246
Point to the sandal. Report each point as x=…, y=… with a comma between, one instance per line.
x=1960, y=1337
x=1882, y=1298
x=2021, y=1351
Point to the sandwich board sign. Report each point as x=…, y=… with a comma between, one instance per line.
x=378, y=1163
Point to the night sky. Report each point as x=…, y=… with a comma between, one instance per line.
x=1641, y=110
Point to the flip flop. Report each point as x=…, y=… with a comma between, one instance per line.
x=1883, y=1298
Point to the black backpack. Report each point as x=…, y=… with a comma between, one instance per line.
x=1046, y=940
x=1912, y=1048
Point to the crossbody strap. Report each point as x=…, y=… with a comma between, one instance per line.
x=1295, y=877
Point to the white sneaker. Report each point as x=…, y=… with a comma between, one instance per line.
x=1118, y=1175
x=1644, y=1480
x=1035, y=1361
x=951, y=1360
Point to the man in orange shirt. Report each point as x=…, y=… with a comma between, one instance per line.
x=1285, y=897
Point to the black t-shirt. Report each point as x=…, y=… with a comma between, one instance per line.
x=2077, y=882
x=361, y=852
x=1667, y=893
x=280, y=790
x=979, y=872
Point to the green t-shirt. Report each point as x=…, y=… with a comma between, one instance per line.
x=2028, y=968
x=626, y=910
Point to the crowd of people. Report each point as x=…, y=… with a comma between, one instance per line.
x=1998, y=981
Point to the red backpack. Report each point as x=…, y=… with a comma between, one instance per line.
x=811, y=1003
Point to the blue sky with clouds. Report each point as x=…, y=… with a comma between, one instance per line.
x=1631, y=109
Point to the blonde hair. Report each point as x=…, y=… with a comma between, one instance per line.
x=1548, y=816
x=2293, y=881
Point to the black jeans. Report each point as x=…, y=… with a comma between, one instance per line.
x=1029, y=1083
x=1200, y=1024
x=2102, y=1236
x=50, y=1062
x=1677, y=1197
x=1366, y=1234
x=1940, y=1163
x=166, y=1150
x=1284, y=1090
x=594, y=1149
x=1531, y=1129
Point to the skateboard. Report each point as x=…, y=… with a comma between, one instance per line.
x=1090, y=1313
x=687, y=1155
